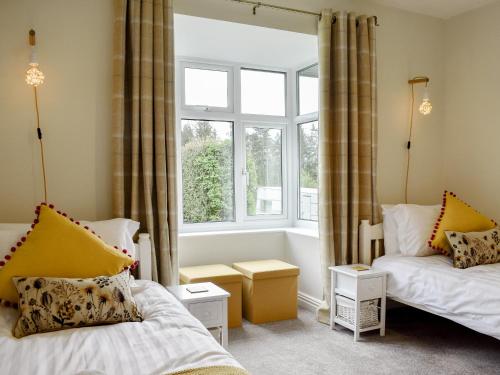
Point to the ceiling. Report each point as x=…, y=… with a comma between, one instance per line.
x=437, y=8
x=227, y=41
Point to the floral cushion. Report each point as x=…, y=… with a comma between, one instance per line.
x=474, y=248
x=50, y=304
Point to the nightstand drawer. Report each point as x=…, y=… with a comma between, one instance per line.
x=370, y=288
x=209, y=313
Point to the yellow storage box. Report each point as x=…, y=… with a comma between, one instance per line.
x=223, y=276
x=269, y=290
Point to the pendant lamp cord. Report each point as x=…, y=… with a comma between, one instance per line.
x=408, y=145
x=39, y=134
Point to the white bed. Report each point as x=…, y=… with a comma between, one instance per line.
x=470, y=297
x=168, y=340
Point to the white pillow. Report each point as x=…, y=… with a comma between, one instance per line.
x=415, y=225
x=115, y=232
x=390, y=227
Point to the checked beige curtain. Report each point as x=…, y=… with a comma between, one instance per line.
x=348, y=139
x=144, y=177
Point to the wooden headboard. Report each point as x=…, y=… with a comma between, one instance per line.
x=367, y=235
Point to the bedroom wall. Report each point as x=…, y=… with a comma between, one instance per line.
x=75, y=53
x=74, y=40
x=472, y=120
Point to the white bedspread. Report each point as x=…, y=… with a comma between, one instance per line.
x=470, y=296
x=168, y=340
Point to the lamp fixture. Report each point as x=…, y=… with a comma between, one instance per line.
x=425, y=108
x=34, y=78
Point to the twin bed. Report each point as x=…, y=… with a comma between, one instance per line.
x=467, y=296
x=168, y=341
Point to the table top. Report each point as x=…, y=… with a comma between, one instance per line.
x=213, y=292
x=349, y=271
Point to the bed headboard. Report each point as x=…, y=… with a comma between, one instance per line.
x=367, y=234
x=143, y=255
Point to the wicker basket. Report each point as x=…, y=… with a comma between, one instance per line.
x=369, y=311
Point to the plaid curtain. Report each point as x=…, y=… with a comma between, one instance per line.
x=144, y=166
x=348, y=139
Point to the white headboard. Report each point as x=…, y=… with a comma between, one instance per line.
x=143, y=253
x=367, y=234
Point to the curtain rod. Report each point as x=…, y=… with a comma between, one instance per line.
x=258, y=4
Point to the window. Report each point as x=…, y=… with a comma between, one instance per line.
x=308, y=90
x=207, y=87
x=263, y=92
x=308, y=170
x=307, y=144
x=264, y=180
x=207, y=171
x=233, y=158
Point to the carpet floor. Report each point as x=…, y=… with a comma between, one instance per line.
x=415, y=343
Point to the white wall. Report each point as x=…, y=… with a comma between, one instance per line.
x=472, y=122
x=230, y=247
x=75, y=51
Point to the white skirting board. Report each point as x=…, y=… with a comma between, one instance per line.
x=308, y=302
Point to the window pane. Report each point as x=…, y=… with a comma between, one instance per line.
x=207, y=171
x=205, y=87
x=262, y=92
x=264, y=171
x=308, y=90
x=308, y=177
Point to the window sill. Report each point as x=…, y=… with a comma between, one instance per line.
x=300, y=231
x=306, y=232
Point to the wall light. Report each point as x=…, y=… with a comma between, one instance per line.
x=34, y=78
x=425, y=108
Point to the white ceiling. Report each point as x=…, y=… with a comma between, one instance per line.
x=437, y=8
x=227, y=41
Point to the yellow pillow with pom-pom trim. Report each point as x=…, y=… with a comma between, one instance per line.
x=456, y=216
x=58, y=246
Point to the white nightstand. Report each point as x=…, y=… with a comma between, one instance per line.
x=350, y=290
x=209, y=307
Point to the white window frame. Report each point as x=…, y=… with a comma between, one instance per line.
x=215, y=67
x=240, y=121
x=284, y=180
x=298, y=120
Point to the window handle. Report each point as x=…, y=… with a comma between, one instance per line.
x=245, y=173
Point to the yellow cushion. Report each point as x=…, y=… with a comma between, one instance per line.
x=58, y=247
x=456, y=216
x=266, y=269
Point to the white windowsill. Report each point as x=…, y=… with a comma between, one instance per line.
x=301, y=231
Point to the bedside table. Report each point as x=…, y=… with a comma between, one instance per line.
x=358, y=299
x=209, y=307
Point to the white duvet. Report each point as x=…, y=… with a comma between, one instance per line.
x=467, y=296
x=168, y=340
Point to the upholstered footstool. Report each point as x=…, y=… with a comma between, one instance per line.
x=224, y=277
x=269, y=290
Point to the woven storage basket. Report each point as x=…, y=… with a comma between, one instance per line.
x=368, y=315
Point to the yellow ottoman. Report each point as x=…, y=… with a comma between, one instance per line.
x=223, y=276
x=269, y=290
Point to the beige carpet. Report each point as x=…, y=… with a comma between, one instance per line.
x=416, y=343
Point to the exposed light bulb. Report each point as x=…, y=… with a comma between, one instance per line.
x=34, y=76
x=426, y=106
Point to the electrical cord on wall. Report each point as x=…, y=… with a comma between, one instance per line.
x=39, y=134
x=408, y=145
